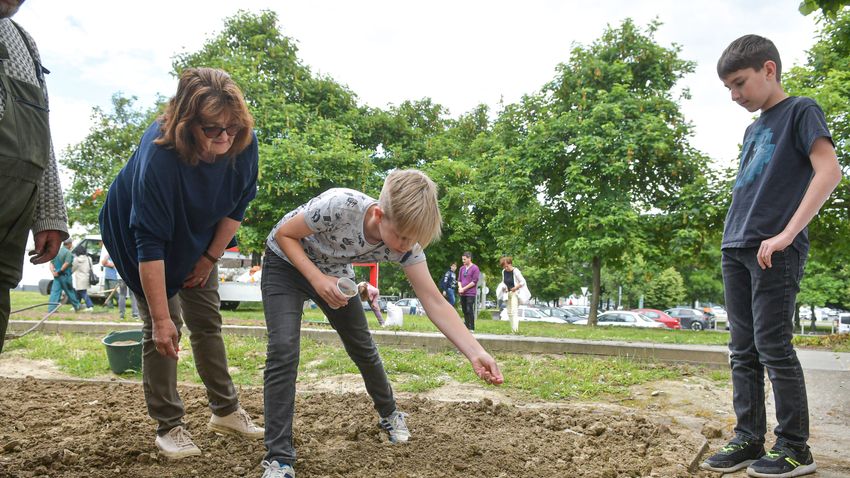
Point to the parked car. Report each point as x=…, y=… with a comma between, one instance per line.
x=410, y=305
x=564, y=314
x=660, y=316
x=382, y=304
x=624, y=318
x=843, y=323
x=532, y=314
x=583, y=310
x=693, y=319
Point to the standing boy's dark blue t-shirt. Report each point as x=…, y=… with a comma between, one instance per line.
x=774, y=173
x=162, y=208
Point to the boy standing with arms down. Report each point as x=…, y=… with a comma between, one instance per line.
x=313, y=246
x=788, y=169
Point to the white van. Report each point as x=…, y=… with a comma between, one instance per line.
x=843, y=323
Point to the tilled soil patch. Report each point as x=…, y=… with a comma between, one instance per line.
x=76, y=429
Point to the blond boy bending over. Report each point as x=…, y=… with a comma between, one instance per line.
x=308, y=251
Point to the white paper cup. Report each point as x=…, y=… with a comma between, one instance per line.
x=346, y=286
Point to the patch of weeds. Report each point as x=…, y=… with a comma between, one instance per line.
x=833, y=342
x=719, y=376
x=416, y=384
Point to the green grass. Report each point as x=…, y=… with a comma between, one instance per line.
x=546, y=377
x=252, y=314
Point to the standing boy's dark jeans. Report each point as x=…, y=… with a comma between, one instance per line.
x=760, y=304
x=467, y=304
x=284, y=292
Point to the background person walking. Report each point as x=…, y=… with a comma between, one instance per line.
x=60, y=267
x=82, y=269
x=514, y=289
x=469, y=276
x=448, y=284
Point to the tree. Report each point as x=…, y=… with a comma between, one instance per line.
x=826, y=78
x=608, y=146
x=95, y=161
x=304, y=123
x=829, y=8
x=665, y=290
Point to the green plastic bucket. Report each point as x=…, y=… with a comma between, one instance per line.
x=124, y=350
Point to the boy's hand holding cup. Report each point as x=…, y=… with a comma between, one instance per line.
x=333, y=293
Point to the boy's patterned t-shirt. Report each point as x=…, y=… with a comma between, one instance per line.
x=336, y=219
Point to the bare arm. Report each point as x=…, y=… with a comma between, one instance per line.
x=377, y=310
x=152, y=275
x=826, y=178
x=445, y=317
x=288, y=237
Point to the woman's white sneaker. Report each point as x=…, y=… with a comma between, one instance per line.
x=237, y=423
x=176, y=444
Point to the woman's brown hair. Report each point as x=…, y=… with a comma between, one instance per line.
x=204, y=93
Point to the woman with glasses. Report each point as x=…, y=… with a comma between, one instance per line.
x=168, y=217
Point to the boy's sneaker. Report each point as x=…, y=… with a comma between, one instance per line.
x=176, y=444
x=735, y=455
x=396, y=427
x=783, y=462
x=237, y=423
x=278, y=470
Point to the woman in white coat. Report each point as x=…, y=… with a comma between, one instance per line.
x=81, y=268
x=514, y=289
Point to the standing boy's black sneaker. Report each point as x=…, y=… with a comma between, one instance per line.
x=735, y=455
x=783, y=462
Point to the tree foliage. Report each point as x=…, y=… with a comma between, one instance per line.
x=95, y=161
x=305, y=123
x=826, y=78
x=607, y=145
x=589, y=181
x=829, y=8
x=665, y=289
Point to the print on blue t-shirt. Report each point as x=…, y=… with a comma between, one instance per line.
x=756, y=153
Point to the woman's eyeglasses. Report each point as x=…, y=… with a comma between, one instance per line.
x=215, y=131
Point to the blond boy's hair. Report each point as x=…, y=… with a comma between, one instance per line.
x=409, y=200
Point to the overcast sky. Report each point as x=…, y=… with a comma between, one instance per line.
x=459, y=53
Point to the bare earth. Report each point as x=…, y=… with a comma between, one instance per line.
x=50, y=426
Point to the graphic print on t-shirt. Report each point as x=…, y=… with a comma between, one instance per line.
x=336, y=218
x=756, y=153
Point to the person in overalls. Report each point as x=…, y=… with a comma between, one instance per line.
x=29, y=183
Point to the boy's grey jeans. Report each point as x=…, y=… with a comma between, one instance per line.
x=760, y=304
x=284, y=292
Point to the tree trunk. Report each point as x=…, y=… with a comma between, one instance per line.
x=797, y=318
x=596, y=267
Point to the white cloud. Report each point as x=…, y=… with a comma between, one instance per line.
x=458, y=53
